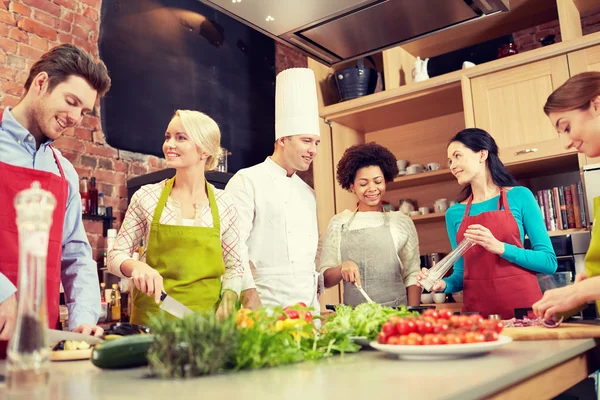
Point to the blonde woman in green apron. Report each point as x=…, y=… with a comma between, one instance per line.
x=192, y=250
x=370, y=247
x=574, y=110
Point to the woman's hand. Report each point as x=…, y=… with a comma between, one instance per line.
x=227, y=305
x=558, y=300
x=482, y=236
x=439, y=286
x=350, y=272
x=147, y=280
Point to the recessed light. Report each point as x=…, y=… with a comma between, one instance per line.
x=269, y=18
x=236, y=1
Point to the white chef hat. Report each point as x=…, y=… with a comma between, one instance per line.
x=296, y=106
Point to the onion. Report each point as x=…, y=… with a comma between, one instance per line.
x=551, y=323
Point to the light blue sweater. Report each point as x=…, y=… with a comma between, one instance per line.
x=530, y=221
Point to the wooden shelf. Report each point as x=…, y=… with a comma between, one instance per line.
x=431, y=217
x=520, y=170
x=424, y=178
x=566, y=231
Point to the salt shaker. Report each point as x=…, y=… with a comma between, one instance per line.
x=28, y=354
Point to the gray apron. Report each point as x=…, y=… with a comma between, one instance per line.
x=373, y=250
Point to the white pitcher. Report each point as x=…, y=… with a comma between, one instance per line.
x=419, y=72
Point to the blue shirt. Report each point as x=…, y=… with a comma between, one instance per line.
x=526, y=210
x=79, y=274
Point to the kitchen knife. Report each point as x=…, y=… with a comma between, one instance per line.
x=173, y=307
x=55, y=336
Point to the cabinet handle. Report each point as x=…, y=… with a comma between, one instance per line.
x=526, y=151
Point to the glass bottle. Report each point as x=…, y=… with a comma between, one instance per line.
x=28, y=352
x=93, y=192
x=85, y=196
x=101, y=207
x=115, y=297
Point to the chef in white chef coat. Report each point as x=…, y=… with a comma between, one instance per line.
x=278, y=210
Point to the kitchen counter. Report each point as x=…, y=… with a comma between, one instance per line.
x=539, y=369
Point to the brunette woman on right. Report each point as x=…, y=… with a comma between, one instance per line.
x=574, y=110
x=498, y=274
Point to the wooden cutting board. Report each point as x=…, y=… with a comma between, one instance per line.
x=564, y=331
x=70, y=355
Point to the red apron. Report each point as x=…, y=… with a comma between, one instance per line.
x=492, y=284
x=14, y=179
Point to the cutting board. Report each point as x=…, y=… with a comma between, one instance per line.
x=564, y=331
x=70, y=355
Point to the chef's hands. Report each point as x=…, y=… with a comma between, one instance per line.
x=8, y=316
x=88, y=329
x=482, y=236
x=558, y=300
x=227, y=305
x=250, y=299
x=147, y=280
x=350, y=273
x=439, y=286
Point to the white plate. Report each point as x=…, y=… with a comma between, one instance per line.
x=443, y=351
x=360, y=340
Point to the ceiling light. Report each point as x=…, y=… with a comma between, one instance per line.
x=269, y=18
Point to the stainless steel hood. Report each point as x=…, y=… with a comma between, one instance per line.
x=334, y=31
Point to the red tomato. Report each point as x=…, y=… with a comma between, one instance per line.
x=392, y=340
x=452, y=338
x=442, y=339
x=463, y=337
x=419, y=325
x=445, y=313
x=474, y=337
x=402, y=327
x=292, y=314
x=476, y=318
x=431, y=339
x=414, y=339
x=431, y=313
x=308, y=317
x=394, y=319
x=403, y=340
x=491, y=336
x=389, y=329
x=441, y=327
x=411, y=326
x=426, y=327
x=381, y=338
x=464, y=321
x=302, y=304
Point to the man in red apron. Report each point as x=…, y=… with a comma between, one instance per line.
x=62, y=86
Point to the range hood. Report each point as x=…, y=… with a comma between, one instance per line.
x=335, y=31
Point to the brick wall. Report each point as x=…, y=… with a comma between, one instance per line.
x=28, y=28
x=529, y=39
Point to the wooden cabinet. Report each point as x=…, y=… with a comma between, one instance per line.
x=509, y=105
x=582, y=61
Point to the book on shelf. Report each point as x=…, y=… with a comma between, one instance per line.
x=561, y=207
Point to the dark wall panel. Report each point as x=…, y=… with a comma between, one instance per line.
x=165, y=55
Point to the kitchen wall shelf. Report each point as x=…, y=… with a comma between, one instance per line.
x=107, y=222
x=431, y=217
x=566, y=232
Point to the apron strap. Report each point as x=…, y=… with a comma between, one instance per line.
x=214, y=209
x=62, y=173
x=162, y=201
x=468, y=208
x=503, y=202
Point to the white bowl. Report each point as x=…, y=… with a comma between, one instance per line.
x=426, y=298
x=439, y=298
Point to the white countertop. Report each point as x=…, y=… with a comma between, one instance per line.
x=366, y=375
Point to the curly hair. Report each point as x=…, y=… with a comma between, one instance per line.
x=365, y=155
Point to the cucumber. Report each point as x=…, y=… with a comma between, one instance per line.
x=128, y=352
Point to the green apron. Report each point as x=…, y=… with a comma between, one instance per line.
x=592, y=257
x=189, y=258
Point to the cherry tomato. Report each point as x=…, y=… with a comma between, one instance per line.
x=402, y=327
x=414, y=339
x=441, y=327
x=381, y=338
x=403, y=340
x=491, y=336
x=308, y=317
x=426, y=327
x=302, y=304
x=452, y=338
x=431, y=339
x=476, y=318
x=431, y=313
x=389, y=329
x=411, y=326
x=442, y=338
x=292, y=314
x=392, y=340
x=445, y=313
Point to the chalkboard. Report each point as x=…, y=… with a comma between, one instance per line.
x=164, y=55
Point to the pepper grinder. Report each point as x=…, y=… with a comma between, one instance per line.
x=28, y=354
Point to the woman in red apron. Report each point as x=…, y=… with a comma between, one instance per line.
x=574, y=109
x=498, y=275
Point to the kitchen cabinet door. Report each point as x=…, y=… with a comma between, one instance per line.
x=583, y=61
x=509, y=105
